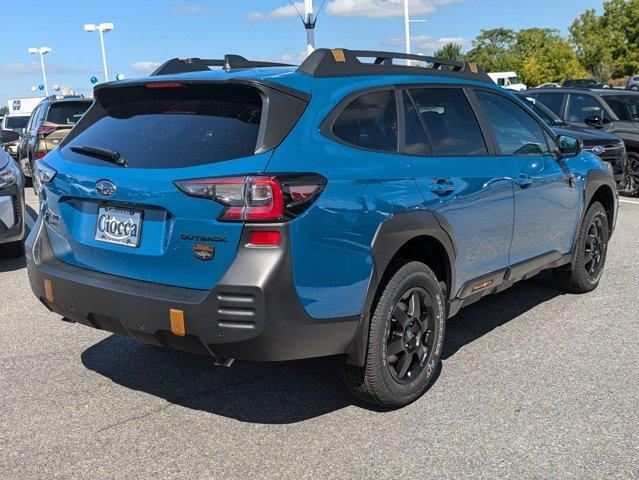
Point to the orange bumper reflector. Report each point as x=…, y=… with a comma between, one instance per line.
x=48, y=290
x=177, y=322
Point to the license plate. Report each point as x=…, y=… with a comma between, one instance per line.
x=118, y=225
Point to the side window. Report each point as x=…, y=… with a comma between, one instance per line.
x=369, y=121
x=32, y=119
x=552, y=101
x=416, y=142
x=450, y=121
x=581, y=106
x=517, y=132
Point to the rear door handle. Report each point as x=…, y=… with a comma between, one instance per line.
x=442, y=186
x=523, y=180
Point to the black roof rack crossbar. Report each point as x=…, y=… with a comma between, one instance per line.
x=342, y=62
x=228, y=63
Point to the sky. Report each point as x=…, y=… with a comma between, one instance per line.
x=148, y=32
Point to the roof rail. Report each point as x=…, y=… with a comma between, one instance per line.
x=228, y=63
x=342, y=62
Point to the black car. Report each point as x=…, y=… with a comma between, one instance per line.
x=606, y=110
x=583, y=83
x=607, y=146
x=49, y=123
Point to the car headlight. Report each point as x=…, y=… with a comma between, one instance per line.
x=9, y=174
x=42, y=174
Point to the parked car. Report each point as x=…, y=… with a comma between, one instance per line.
x=633, y=83
x=11, y=207
x=17, y=123
x=508, y=80
x=49, y=123
x=611, y=111
x=549, y=85
x=339, y=207
x=607, y=146
x=583, y=83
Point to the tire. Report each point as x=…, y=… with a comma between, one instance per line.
x=630, y=184
x=584, y=273
x=12, y=249
x=400, y=333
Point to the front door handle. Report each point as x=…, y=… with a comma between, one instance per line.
x=523, y=180
x=442, y=186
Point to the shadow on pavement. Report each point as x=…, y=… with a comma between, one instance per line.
x=12, y=264
x=284, y=392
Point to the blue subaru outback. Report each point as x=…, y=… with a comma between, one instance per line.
x=347, y=206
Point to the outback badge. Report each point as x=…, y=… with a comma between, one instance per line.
x=203, y=251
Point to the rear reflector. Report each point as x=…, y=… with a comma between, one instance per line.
x=266, y=238
x=164, y=85
x=177, y=322
x=48, y=290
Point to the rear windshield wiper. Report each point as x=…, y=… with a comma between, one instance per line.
x=102, y=153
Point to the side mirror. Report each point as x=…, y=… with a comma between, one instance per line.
x=568, y=146
x=9, y=136
x=595, y=121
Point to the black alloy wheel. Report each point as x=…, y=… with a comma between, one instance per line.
x=630, y=184
x=411, y=336
x=594, y=249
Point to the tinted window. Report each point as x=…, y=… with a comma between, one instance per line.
x=626, y=107
x=545, y=113
x=450, y=122
x=369, y=121
x=16, y=122
x=67, y=113
x=172, y=127
x=552, y=101
x=581, y=106
x=416, y=140
x=517, y=132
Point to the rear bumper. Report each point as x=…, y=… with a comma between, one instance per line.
x=252, y=314
x=11, y=214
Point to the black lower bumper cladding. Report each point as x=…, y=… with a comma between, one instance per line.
x=249, y=315
x=15, y=231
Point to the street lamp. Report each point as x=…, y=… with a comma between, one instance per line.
x=42, y=51
x=102, y=28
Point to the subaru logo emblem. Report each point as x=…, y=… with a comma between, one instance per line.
x=598, y=150
x=105, y=188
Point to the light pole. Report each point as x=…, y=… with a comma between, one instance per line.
x=42, y=51
x=102, y=28
x=407, y=21
x=309, y=24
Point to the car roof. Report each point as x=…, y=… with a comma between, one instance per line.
x=595, y=91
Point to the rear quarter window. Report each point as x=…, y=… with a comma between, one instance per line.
x=369, y=121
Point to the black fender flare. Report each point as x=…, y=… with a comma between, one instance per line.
x=595, y=179
x=389, y=238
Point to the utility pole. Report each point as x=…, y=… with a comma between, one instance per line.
x=407, y=26
x=309, y=25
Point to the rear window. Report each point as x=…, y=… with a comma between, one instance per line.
x=626, y=107
x=16, y=122
x=552, y=101
x=172, y=127
x=66, y=113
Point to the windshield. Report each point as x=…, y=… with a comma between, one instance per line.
x=546, y=114
x=514, y=80
x=16, y=122
x=626, y=107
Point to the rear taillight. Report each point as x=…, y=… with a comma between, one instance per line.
x=258, y=198
x=44, y=130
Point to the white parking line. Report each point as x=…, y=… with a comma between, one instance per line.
x=626, y=200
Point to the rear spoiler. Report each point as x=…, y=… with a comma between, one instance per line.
x=228, y=63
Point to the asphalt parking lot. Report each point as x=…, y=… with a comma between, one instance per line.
x=535, y=383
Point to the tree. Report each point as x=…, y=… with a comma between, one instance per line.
x=608, y=45
x=593, y=45
x=543, y=55
x=452, y=51
x=491, y=50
